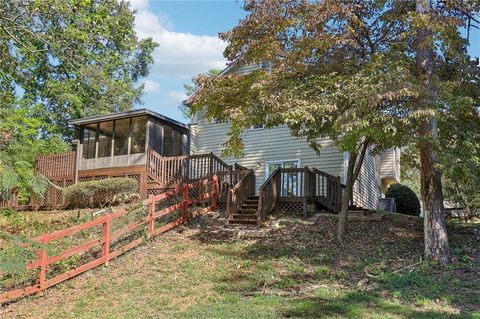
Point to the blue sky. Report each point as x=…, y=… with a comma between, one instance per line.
x=187, y=32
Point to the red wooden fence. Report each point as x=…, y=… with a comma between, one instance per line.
x=206, y=189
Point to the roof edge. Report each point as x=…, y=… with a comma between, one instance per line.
x=131, y=113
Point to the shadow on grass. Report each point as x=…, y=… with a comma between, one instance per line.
x=297, y=257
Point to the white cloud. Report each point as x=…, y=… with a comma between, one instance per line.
x=176, y=96
x=150, y=86
x=180, y=55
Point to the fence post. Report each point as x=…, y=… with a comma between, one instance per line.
x=185, y=203
x=106, y=239
x=214, y=193
x=43, y=264
x=150, y=220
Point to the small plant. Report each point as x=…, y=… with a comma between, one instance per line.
x=97, y=194
x=16, y=251
x=405, y=199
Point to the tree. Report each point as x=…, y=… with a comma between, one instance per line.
x=440, y=53
x=459, y=157
x=361, y=73
x=337, y=70
x=62, y=59
x=74, y=58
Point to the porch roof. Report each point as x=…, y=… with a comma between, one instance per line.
x=126, y=114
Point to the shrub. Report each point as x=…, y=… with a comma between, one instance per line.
x=95, y=194
x=405, y=199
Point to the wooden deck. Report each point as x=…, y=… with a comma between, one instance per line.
x=287, y=189
x=160, y=174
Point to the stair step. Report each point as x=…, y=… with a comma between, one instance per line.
x=251, y=201
x=252, y=198
x=242, y=221
x=244, y=216
x=249, y=206
x=248, y=210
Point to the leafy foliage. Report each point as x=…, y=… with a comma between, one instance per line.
x=62, y=60
x=74, y=58
x=15, y=252
x=100, y=193
x=406, y=200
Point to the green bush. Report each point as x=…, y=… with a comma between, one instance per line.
x=405, y=199
x=94, y=194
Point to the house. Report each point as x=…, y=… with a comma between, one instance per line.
x=141, y=144
x=277, y=172
x=266, y=150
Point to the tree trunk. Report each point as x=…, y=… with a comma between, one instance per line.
x=353, y=169
x=435, y=232
x=347, y=194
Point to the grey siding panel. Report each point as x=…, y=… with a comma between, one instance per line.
x=263, y=145
x=367, y=189
x=390, y=163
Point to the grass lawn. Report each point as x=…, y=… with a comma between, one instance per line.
x=292, y=271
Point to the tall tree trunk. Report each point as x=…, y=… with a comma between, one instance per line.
x=435, y=232
x=354, y=165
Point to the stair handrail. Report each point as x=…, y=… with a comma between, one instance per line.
x=333, y=193
x=239, y=193
x=269, y=195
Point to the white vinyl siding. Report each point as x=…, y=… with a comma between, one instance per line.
x=277, y=144
x=390, y=164
x=267, y=145
x=367, y=188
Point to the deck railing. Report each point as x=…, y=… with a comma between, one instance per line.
x=172, y=171
x=328, y=190
x=56, y=166
x=299, y=187
x=239, y=193
x=269, y=195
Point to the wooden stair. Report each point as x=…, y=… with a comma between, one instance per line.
x=247, y=214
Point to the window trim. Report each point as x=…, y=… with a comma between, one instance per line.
x=267, y=175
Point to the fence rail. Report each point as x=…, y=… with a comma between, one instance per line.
x=209, y=191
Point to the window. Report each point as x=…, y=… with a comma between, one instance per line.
x=257, y=126
x=127, y=136
x=289, y=182
x=89, y=139
x=139, y=131
x=122, y=128
x=105, y=134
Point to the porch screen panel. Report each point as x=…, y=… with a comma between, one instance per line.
x=177, y=143
x=105, y=134
x=167, y=141
x=122, y=128
x=89, y=138
x=139, y=135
